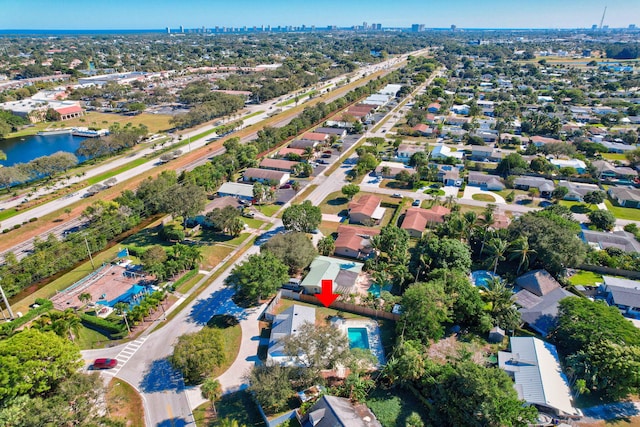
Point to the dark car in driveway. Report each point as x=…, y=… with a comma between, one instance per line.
x=104, y=363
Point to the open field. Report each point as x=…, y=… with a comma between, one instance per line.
x=615, y=156
x=155, y=122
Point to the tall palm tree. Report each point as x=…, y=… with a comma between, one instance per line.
x=520, y=250
x=470, y=221
x=497, y=248
x=212, y=391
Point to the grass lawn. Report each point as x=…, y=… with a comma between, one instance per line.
x=253, y=223
x=214, y=254
x=467, y=208
x=394, y=185
x=117, y=171
x=393, y=407
x=238, y=406
x=232, y=335
x=335, y=203
x=298, y=97
x=578, y=207
x=504, y=193
x=88, y=339
x=146, y=238
x=623, y=213
x=304, y=193
x=155, y=122
x=268, y=210
x=614, y=156
x=585, y=278
x=186, y=286
x=8, y=213
x=484, y=198
x=327, y=227
x=124, y=403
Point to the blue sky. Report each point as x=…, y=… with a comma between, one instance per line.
x=155, y=14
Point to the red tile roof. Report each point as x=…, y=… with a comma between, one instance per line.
x=365, y=205
x=351, y=237
x=421, y=127
x=286, y=150
x=69, y=110
x=313, y=136
x=277, y=164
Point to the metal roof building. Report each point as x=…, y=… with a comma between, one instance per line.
x=538, y=376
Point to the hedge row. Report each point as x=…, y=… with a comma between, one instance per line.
x=8, y=327
x=102, y=325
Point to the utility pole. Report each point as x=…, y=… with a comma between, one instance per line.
x=6, y=303
x=89, y=252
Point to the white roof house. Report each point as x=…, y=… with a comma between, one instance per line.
x=235, y=189
x=287, y=323
x=538, y=376
x=577, y=164
x=441, y=151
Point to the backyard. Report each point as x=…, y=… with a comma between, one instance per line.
x=622, y=212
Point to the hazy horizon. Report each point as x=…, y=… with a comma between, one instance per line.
x=157, y=14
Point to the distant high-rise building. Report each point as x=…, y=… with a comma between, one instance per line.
x=594, y=27
x=378, y=26
x=605, y=27
x=417, y=27
x=168, y=30
x=181, y=28
x=364, y=25
x=453, y=27
x=632, y=26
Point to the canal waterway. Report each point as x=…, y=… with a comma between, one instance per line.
x=27, y=148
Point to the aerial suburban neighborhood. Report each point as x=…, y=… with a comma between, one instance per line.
x=322, y=226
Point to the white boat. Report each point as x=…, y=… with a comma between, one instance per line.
x=54, y=132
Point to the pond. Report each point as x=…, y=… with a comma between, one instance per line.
x=27, y=148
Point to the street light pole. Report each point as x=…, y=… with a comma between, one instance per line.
x=6, y=303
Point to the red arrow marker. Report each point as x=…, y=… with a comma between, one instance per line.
x=326, y=297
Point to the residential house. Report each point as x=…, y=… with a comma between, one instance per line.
x=544, y=186
x=456, y=121
x=331, y=411
x=354, y=242
x=608, y=171
x=449, y=175
x=389, y=170
x=416, y=219
x=539, y=141
x=577, y=190
x=405, y=151
x=625, y=196
x=618, y=239
x=423, y=129
x=378, y=99
x=487, y=107
x=302, y=144
x=340, y=133
x=285, y=151
x=508, y=138
x=366, y=210
x=441, y=151
x=314, y=136
x=484, y=181
x=500, y=221
x=237, y=190
x=622, y=293
x=460, y=109
x=434, y=107
x=577, y=164
x=265, y=176
x=618, y=147
x=485, y=154
x=488, y=136
x=535, y=368
x=538, y=298
x=284, y=325
x=278, y=165
x=345, y=275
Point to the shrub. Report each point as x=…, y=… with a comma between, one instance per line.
x=93, y=322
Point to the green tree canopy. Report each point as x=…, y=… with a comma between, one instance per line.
x=425, y=308
x=350, y=190
x=294, y=249
x=33, y=362
x=258, y=277
x=602, y=219
x=303, y=217
x=196, y=355
x=512, y=164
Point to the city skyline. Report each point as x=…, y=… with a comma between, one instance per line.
x=158, y=14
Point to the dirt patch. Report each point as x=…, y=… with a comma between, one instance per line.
x=450, y=348
x=124, y=403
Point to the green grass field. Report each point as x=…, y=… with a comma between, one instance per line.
x=623, y=213
x=614, y=156
x=238, y=406
x=268, y=210
x=484, y=198
x=113, y=172
x=578, y=207
x=88, y=339
x=585, y=278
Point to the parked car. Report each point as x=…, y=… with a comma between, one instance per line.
x=104, y=363
x=248, y=214
x=416, y=202
x=397, y=195
x=284, y=186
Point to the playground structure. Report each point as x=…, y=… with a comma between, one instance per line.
x=109, y=284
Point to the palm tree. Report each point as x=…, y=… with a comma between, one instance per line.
x=470, y=221
x=308, y=153
x=497, y=248
x=520, y=250
x=498, y=296
x=211, y=390
x=84, y=297
x=449, y=201
x=228, y=422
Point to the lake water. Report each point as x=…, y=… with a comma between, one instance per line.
x=27, y=148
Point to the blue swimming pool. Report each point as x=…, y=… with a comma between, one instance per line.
x=481, y=278
x=358, y=338
x=133, y=296
x=375, y=289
